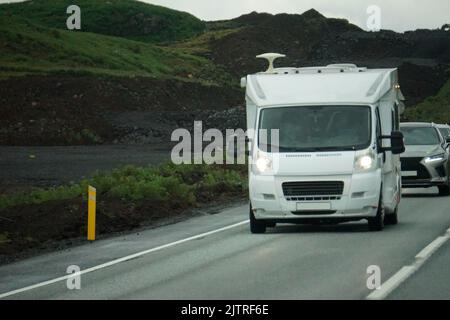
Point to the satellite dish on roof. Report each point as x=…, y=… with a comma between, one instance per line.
x=270, y=57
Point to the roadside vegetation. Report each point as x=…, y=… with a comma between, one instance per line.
x=191, y=184
x=120, y=38
x=200, y=45
x=130, y=19
x=127, y=198
x=433, y=109
x=28, y=48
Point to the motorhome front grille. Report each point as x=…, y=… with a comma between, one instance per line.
x=313, y=188
x=326, y=198
x=413, y=164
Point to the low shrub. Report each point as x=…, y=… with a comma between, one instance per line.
x=186, y=184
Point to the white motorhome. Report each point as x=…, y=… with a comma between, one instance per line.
x=337, y=154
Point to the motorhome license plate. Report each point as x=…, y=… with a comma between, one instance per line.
x=409, y=173
x=312, y=206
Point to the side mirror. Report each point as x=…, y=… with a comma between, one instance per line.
x=397, y=142
x=447, y=139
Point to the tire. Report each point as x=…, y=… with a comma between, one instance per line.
x=271, y=224
x=255, y=225
x=391, y=219
x=377, y=223
x=444, y=190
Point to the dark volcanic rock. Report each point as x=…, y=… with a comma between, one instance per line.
x=312, y=39
x=61, y=110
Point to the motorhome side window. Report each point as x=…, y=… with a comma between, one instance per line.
x=316, y=128
x=397, y=118
x=378, y=129
x=393, y=120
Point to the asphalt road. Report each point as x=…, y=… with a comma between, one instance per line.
x=49, y=166
x=288, y=262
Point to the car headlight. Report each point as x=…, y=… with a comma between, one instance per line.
x=262, y=163
x=435, y=158
x=365, y=161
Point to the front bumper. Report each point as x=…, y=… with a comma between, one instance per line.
x=427, y=174
x=359, y=198
x=423, y=183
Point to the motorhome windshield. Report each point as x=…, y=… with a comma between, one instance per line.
x=420, y=135
x=317, y=128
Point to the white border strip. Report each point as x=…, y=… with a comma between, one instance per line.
x=405, y=272
x=431, y=248
x=392, y=283
x=126, y=258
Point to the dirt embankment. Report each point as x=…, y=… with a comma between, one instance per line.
x=34, y=229
x=38, y=166
x=312, y=39
x=25, y=228
x=73, y=110
x=61, y=110
x=54, y=110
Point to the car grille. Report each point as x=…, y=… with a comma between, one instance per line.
x=305, y=189
x=413, y=164
x=441, y=171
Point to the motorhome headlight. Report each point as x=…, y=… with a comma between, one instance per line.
x=365, y=161
x=435, y=158
x=262, y=163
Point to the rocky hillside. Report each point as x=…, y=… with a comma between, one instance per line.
x=423, y=56
x=435, y=108
x=136, y=71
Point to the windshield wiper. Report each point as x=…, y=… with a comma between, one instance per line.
x=319, y=149
x=344, y=148
x=268, y=147
x=296, y=149
x=285, y=148
x=293, y=149
x=308, y=149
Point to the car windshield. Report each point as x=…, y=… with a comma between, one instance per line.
x=316, y=128
x=420, y=135
x=445, y=132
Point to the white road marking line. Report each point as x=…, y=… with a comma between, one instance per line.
x=123, y=259
x=431, y=248
x=405, y=272
x=392, y=283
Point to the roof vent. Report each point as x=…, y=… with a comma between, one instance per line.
x=343, y=65
x=270, y=57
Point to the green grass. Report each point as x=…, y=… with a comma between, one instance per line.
x=34, y=40
x=4, y=238
x=189, y=184
x=200, y=44
x=122, y=18
x=29, y=48
x=433, y=109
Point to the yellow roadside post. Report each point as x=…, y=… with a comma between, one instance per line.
x=92, y=195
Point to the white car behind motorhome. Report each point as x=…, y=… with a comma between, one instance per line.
x=336, y=158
